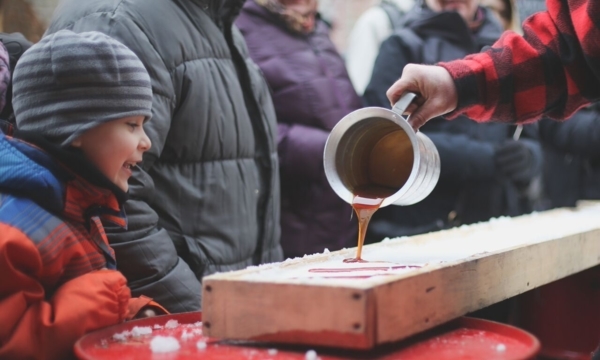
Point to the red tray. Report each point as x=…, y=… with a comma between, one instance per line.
x=464, y=338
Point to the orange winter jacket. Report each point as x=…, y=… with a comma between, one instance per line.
x=57, y=277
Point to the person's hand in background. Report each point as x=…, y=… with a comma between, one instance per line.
x=515, y=160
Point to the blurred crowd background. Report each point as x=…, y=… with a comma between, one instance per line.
x=31, y=17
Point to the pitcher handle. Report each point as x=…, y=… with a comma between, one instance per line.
x=401, y=105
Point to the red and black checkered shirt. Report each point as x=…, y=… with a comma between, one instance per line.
x=553, y=70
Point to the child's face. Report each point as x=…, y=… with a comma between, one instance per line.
x=115, y=147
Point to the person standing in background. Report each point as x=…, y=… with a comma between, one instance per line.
x=311, y=92
x=206, y=197
x=19, y=16
x=480, y=177
x=571, y=163
x=371, y=28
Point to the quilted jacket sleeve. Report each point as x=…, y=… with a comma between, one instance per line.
x=37, y=325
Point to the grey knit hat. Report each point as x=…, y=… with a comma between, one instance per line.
x=69, y=83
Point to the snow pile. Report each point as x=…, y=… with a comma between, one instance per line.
x=171, y=324
x=187, y=335
x=164, y=344
x=138, y=331
x=311, y=355
x=121, y=336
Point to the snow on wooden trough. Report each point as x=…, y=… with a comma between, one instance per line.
x=408, y=285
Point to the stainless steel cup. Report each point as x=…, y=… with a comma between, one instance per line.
x=377, y=147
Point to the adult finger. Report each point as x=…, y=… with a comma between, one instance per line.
x=398, y=88
x=435, y=87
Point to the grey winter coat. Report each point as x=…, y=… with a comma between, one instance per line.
x=208, y=189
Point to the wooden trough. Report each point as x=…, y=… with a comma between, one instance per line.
x=410, y=284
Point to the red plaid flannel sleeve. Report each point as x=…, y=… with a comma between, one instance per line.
x=553, y=70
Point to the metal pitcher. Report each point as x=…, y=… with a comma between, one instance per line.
x=377, y=146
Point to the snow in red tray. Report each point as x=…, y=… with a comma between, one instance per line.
x=174, y=340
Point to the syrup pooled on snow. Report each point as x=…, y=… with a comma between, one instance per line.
x=366, y=201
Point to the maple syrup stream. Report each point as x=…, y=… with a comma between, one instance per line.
x=366, y=202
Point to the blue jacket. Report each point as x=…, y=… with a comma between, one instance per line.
x=55, y=278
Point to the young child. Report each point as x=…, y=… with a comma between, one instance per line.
x=80, y=101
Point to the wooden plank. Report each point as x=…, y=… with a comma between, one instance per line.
x=418, y=303
x=237, y=308
x=463, y=270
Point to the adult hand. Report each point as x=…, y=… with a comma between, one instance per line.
x=436, y=90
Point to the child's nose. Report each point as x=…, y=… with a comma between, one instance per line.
x=145, y=142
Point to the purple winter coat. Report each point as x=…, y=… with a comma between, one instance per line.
x=311, y=92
